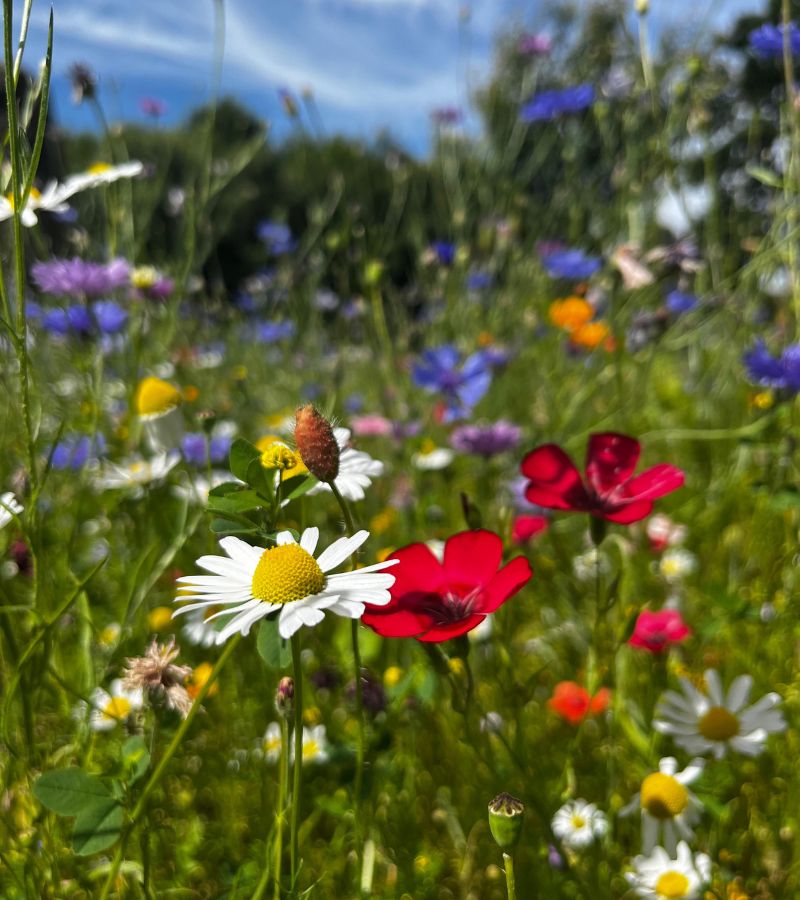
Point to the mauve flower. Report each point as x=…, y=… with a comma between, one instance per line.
x=486, y=440
x=372, y=425
x=152, y=107
x=610, y=490
x=655, y=631
x=446, y=115
x=534, y=45
x=76, y=277
x=549, y=105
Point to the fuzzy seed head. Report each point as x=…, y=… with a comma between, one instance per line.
x=316, y=443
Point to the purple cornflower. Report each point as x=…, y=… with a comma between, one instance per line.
x=767, y=41
x=444, y=251
x=781, y=372
x=569, y=263
x=550, y=105
x=74, y=451
x=76, y=277
x=486, y=440
x=277, y=238
x=272, y=332
x=679, y=302
x=447, y=115
x=534, y=45
x=461, y=384
x=193, y=447
x=152, y=107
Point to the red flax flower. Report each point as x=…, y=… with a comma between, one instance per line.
x=573, y=703
x=655, y=631
x=609, y=491
x=435, y=601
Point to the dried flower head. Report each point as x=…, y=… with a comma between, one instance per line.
x=156, y=673
x=316, y=443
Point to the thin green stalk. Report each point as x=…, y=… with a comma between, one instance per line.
x=161, y=768
x=511, y=884
x=297, y=772
x=283, y=790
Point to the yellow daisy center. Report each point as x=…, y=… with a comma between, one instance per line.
x=98, y=168
x=117, y=708
x=577, y=821
x=718, y=724
x=144, y=277
x=310, y=750
x=155, y=397
x=672, y=885
x=272, y=743
x=663, y=796
x=285, y=574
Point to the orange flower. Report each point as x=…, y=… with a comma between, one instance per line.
x=590, y=335
x=197, y=680
x=571, y=313
x=573, y=703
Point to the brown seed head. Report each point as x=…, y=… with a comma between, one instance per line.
x=316, y=444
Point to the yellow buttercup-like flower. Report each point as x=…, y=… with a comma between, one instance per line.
x=155, y=398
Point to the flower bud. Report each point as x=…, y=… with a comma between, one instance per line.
x=316, y=443
x=505, y=820
x=284, y=697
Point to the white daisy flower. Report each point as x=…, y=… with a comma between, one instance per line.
x=432, y=458
x=197, y=630
x=253, y=582
x=271, y=745
x=315, y=745
x=102, y=173
x=578, y=824
x=110, y=708
x=197, y=487
x=659, y=877
x=9, y=507
x=136, y=472
x=710, y=723
x=356, y=469
x=669, y=809
x=585, y=565
x=676, y=564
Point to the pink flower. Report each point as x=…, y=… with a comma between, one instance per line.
x=371, y=425
x=655, y=631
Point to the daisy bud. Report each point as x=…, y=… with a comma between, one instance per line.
x=505, y=820
x=284, y=697
x=316, y=443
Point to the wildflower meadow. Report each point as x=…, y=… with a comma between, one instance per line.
x=377, y=524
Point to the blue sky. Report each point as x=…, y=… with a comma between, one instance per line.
x=371, y=64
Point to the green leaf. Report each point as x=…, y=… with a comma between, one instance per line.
x=135, y=757
x=227, y=526
x=97, y=827
x=272, y=648
x=297, y=486
x=239, y=502
x=242, y=454
x=764, y=175
x=68, y=791
x=227, y=487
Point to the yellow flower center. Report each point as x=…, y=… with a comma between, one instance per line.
x=310, y=750
x=718, y=724
x=577, y=821
x=117, y=708
x=663, y=796
x=159, y=619
x=155, y=397
x=278, y=456
x=98, y=168
x=285, y=574
x=672, y=885
x=144, y=277
x=271, y=744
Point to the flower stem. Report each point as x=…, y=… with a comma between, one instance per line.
x=297, y=771
x=508, y=859
x=161, y=768
x=283, y=790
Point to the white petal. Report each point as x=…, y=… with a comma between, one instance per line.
x=340, y=550
x=739, y=692
x=309, y=539
x=714, y=686
x=240, y=550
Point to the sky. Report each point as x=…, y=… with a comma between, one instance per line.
x=371, y=64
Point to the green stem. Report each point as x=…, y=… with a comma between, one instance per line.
x=297, y=771
x=161, y=768
x=510, y=881
x=283, y=790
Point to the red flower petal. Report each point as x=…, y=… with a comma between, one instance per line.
x=654, y=483
x=453, y=630
x=419, y=571
x=630, y=512
x=471, y=558
x=527, y=527
x=395, y=622
x=610, y=460
x=555, y=482
x=510, y=579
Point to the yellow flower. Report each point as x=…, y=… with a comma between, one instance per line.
x=159, y=619
x=392, y=676
x=142, y=277
x=275, y=454
x=311, y=715
x=570, y=313
x=383, y=521
x=155, y=398
x=198, y=678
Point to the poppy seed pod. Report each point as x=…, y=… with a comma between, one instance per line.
x=316, y=443
x=505, y=820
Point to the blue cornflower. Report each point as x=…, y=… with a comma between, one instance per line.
x=444, y=251
x=193, y=447
x=679, y=302
x=479, y=281
x=109, y=316
x=272, y=332
x=782, y=372
x=570, y=264
x=549, y=105
x=277, y=238
x=74, y=451
x=461, y=384
x=354, y=403
x=767, y=41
